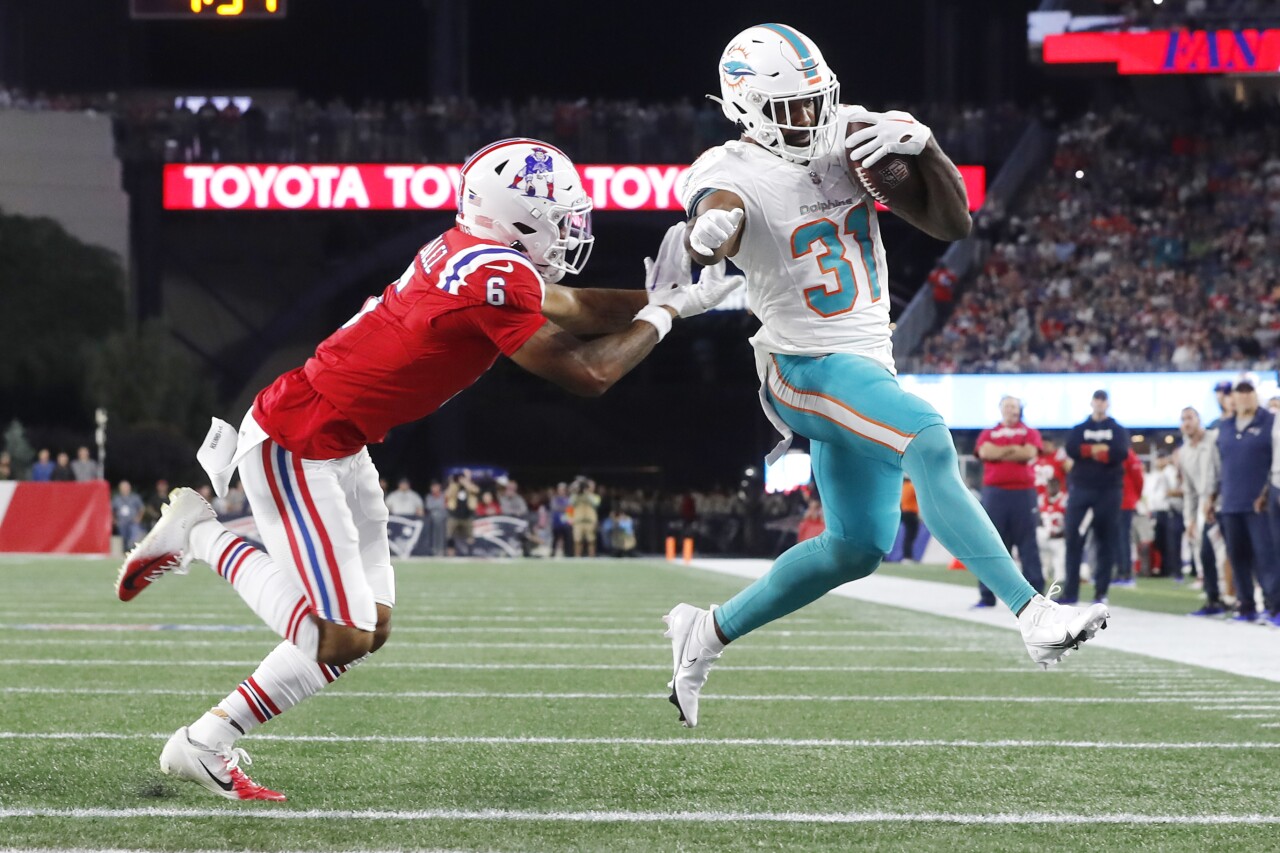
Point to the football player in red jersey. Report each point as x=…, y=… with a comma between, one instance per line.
x=486, y=287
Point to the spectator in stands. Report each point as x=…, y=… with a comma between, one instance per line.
x=42, y=469
x=153, y=504
x=511, y=502
x=1130, y=494
x=910, y=506
x=1197, y=462
x=1008, y=451
x=84, y=468
x=62, y=472
x=437, y=518
x=1244, y=448
x=487, y=505
x=404, y=501
x=1142, y=228
x=1098, y=445
x=942, y=284
x=126, y=509
x=585, y=504
x=561, y=522
x=6, y=466
x=812, y=523
x=619, y=531
x=461, y=499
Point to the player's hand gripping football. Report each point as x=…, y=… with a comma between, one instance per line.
x=893, y=132
x=669, y=278
x=713, y=229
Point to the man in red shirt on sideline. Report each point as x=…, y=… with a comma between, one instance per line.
x=1008, y=451
x=486, y=287
x=1134, y=478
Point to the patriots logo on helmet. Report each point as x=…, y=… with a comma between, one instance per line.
x=538, y=170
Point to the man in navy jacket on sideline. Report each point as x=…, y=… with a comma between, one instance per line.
x=1244, y=448
x=1099, y=446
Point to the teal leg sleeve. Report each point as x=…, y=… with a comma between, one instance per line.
x=860, y=504
x=804, y=573
x=957, y=520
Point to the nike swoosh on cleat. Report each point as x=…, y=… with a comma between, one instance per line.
x=226, y=786
x=688, y=662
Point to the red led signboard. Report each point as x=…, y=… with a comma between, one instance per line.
x=403, y=186
x=1171, y=51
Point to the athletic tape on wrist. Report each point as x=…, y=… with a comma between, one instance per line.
x=656, y=316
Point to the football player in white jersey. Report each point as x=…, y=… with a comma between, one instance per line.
x=780, y=203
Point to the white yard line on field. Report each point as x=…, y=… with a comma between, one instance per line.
x=541, y=696
x=684, y=742
x=718, y=817
x=621, y=667
x=1182, y=639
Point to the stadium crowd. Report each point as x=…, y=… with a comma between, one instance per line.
x=1149, y=246
x=281, y=128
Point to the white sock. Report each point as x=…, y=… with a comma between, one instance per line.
x=706, y=635
x=274, y=594
x=283, y=679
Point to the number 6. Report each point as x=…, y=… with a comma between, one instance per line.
x=495, y=293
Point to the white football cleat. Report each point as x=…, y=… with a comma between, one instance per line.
x=1052, y=631
x=691, y=661
x=164, y=548
x=216, y=770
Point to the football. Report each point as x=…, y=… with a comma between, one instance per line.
x=893, y=178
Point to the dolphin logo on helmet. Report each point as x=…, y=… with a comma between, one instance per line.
x=766, y=73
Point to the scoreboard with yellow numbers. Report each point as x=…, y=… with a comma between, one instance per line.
x=227, y=10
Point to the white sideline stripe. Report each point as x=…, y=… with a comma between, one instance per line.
x=1252, y=716
x=619, y=667
x=507, y=629
x=664, y=645
x=1179, y=639
x=682, y=742
x=339, y=693
x=514, y=815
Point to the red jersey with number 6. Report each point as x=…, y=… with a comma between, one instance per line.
x=429, y=335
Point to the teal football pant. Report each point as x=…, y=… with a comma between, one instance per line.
x=864, y=432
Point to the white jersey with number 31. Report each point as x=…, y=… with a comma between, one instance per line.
x=811, y=251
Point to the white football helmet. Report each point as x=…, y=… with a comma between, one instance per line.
x=768, y=71
x=527, y=194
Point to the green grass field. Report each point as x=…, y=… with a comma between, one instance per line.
x=521, y=706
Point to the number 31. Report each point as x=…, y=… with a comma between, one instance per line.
x=832, y=261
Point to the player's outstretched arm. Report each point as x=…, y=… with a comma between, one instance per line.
x=944, y=211
x=592, y=311
x=588, y=368
x=715, y=231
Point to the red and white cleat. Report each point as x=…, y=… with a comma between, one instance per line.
x=164, y=549
x=217, y=770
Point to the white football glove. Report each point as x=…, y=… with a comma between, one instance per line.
x=713, y=229
x=894, y=132
x=669, y=279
